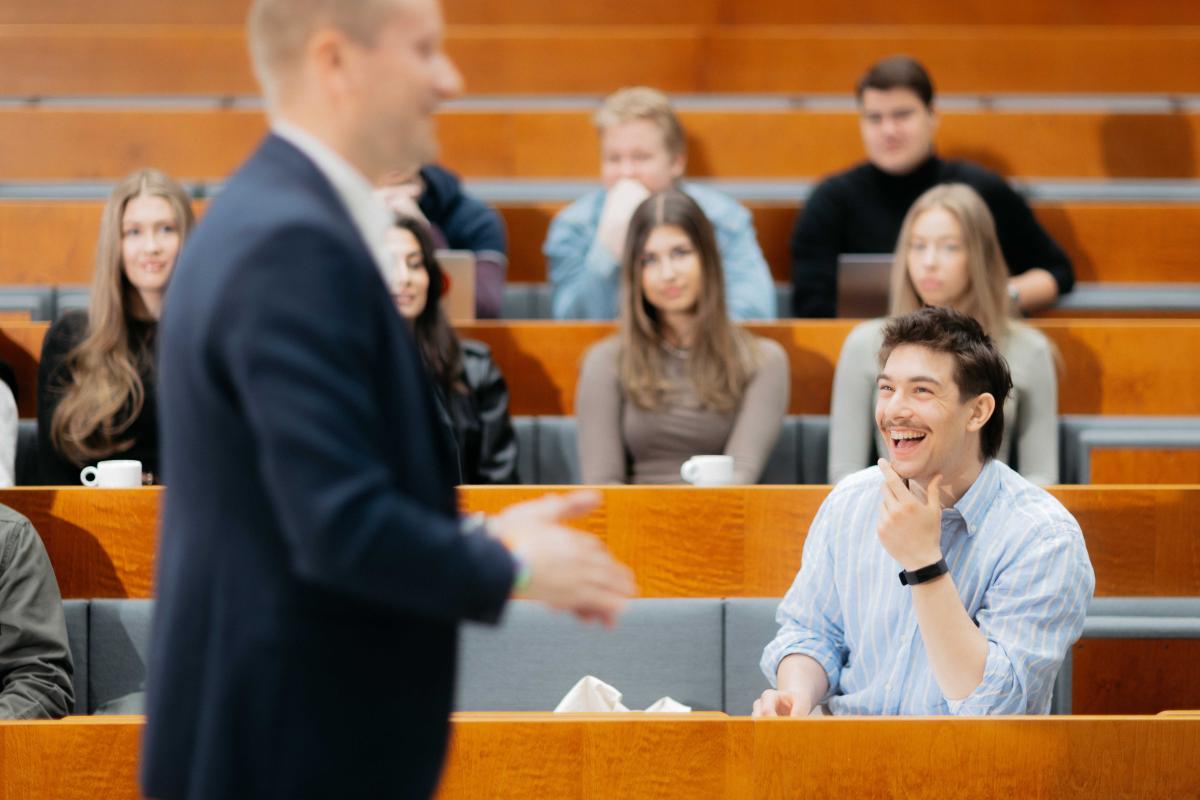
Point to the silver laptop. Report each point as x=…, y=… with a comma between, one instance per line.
x=459, y=267
x=862, y=284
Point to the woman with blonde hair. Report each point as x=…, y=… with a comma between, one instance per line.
x=948, y=255
x=678, y=379
x=96, y=376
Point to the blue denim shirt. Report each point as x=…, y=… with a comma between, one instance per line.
x=585, y=276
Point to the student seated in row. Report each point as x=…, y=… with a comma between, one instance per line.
x=96, y=379
x=643, y=150
x=470, y=390
x=679, y=379
x=948, y=255
x=938, y=581
x=860, y=210
x=457, y=221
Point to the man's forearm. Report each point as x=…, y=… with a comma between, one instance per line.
x=1036, y=288
x=804, y=677
x=957, y=650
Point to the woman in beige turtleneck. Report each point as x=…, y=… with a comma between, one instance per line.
x=678, y=379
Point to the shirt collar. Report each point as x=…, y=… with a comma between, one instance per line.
x=369, y=215
x=974, y=505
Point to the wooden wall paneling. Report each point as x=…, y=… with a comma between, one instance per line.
x=78, y=758
x=102, y=542
x=68, y=59
x=969, y=12
x=1134, y=676
x=1144, y=465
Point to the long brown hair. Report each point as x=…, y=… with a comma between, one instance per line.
x=436, y=340
x=721, y=360
x=987, y=297
x=103, y=392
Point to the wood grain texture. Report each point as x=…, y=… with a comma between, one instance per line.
x=102, y=542
x=53, y=241
x=78, y=758
x=1134, y=676
x=1107, y=242
x=680, y=541
x=44, y=143
x=21, y=347
x=692, y=56
x=1144, y=465
x=675, y=756
x=1111, y=366
x=747, y=541
x=671, y=12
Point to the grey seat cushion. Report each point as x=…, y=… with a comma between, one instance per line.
x=118, y=640
x=26, y=467
x=749, y=627
x=557, y=451
x=76, y=614
x=782, y=465
x=528, y=663
x=525, y=429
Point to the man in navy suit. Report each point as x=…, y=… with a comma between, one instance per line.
x=313, y=566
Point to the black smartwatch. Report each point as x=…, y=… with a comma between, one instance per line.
x=923, y=574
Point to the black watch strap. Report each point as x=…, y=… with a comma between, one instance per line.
x=924, y=573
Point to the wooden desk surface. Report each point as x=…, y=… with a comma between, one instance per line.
x=660, y=757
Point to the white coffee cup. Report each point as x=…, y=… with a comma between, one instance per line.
x=113, y=474
x=708, y=470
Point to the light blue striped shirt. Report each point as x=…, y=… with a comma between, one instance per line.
x=1021, y=569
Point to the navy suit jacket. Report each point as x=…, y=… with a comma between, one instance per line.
x=312, y=567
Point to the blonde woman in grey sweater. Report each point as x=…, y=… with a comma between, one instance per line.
x=948, y=255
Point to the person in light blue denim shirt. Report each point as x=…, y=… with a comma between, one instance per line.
x=643, y=151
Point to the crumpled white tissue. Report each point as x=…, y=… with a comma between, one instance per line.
x=591, y=694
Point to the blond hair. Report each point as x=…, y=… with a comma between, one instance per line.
x=642, y=102
x=277, y=31
x=722, y=360
x=103, y=392
x=987, y=293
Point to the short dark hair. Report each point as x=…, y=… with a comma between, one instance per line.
x=897, y=72
x=978, y=365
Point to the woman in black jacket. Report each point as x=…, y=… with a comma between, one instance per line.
x=471, y=391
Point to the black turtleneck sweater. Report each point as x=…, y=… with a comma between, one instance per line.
x=861, y=210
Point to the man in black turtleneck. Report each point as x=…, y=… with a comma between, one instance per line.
x=860, y=210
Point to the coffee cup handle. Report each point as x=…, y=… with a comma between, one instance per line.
x=688, y=471
x=89, y=475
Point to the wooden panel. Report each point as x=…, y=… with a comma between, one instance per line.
x=44, y=143
x=1112, y=366
x=975, y=758
x=631, y=755
x=963, y=12
x=1134, y=676
x=668, y=12
x=52, y=241
x=101, y=542
x=738, y=542
x=124, y=59
x=1144, y=465
x=125, y=12
x=746, y=542
x=1018, y=59
x=1107, y=242
x=211, y=59
x=78, y=758
x=21, y=348
x=55, y=143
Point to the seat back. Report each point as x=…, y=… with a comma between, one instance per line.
x=749, y=627
x=75, y=612
x=533, y=658
x=118, y=641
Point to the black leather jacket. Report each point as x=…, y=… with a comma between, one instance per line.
x=478, y=421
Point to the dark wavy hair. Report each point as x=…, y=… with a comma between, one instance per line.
x=436, y=340
x=978, y=365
